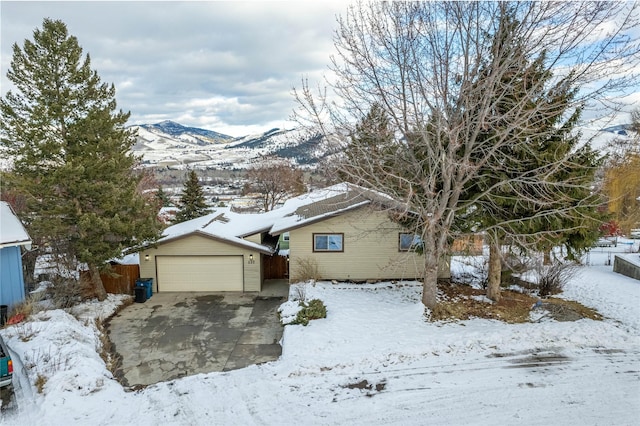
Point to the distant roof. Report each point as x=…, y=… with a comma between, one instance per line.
x=12, y=232
x=231, y=227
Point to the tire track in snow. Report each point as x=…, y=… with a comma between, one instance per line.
x=465, y=392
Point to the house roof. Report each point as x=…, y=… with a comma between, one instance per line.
x=12, y=232
x=231, y=227
x=334, y=204
x=344, y=197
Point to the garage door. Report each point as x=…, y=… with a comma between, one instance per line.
x=199, y=273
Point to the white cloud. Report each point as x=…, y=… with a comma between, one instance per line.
x=225, y=65
x=180, y=60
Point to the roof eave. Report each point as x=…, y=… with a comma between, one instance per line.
x=25, y=243
x=246, y=245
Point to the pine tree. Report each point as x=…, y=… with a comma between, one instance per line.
x=373, y=133
x=192, y=203
x=71, y=151
x=548, y=146
x=163, y=198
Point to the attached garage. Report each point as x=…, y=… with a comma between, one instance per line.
x=198, y=261
x=200, y=273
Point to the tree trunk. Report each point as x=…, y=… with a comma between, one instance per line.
x=97, y=284
x=547, y=257
x=430, y=283
x=495, y=271
x=28, y=268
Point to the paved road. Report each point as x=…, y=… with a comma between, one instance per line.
x=174, y=335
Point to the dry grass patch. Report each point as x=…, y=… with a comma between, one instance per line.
x=40, y=382
x=568, y=308
x=23, y=310
x=462, y=302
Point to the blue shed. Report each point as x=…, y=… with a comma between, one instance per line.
x=13, y=236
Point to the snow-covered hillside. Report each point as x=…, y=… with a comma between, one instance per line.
x=170, y=144
x=173, y=145
x=601, y=138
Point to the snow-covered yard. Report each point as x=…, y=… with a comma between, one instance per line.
x=373, y=360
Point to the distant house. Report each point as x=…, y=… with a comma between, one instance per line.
x=343, y=232
x=13, y=238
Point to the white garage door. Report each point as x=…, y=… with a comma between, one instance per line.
x=200, y=273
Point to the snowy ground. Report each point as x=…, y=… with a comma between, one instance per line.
x=373, y=360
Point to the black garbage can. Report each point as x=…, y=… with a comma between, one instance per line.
x=146, y=283
x=4, y=310
x=141, y=294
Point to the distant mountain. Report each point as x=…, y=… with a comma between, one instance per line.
x=177, y=130
x=169, y=144
x=258, y=141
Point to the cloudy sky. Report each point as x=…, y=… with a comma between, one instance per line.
x=227, y=66
x=221, y=65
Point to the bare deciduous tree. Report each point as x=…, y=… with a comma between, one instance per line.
x=276, y=179
x=432, y=68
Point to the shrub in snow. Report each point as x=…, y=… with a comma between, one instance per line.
x=288, y=311
x=307, y=269
x=297, y=292
x=64, y=293
x=314, y=309
x=551, y=278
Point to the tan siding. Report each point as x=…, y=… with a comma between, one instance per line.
x=370, y=249
x=197, y=245
x=252, y=274
x=255, y=238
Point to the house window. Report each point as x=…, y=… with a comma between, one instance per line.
x=409, y=242
x=328, y=242
x=285, y=236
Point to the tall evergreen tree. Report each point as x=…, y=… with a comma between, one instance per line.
x=72, y=154
x=546, y=144
x=192, y=203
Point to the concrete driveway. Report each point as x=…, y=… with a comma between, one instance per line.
x=174, y=335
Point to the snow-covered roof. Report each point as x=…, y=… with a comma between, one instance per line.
x=225, y=225
x=12, y=232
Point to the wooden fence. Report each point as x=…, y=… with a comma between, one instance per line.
x=121, y=280
x=469, y=245
x=275, y=267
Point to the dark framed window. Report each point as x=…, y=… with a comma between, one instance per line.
x=409, y=242
x=328, y=242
